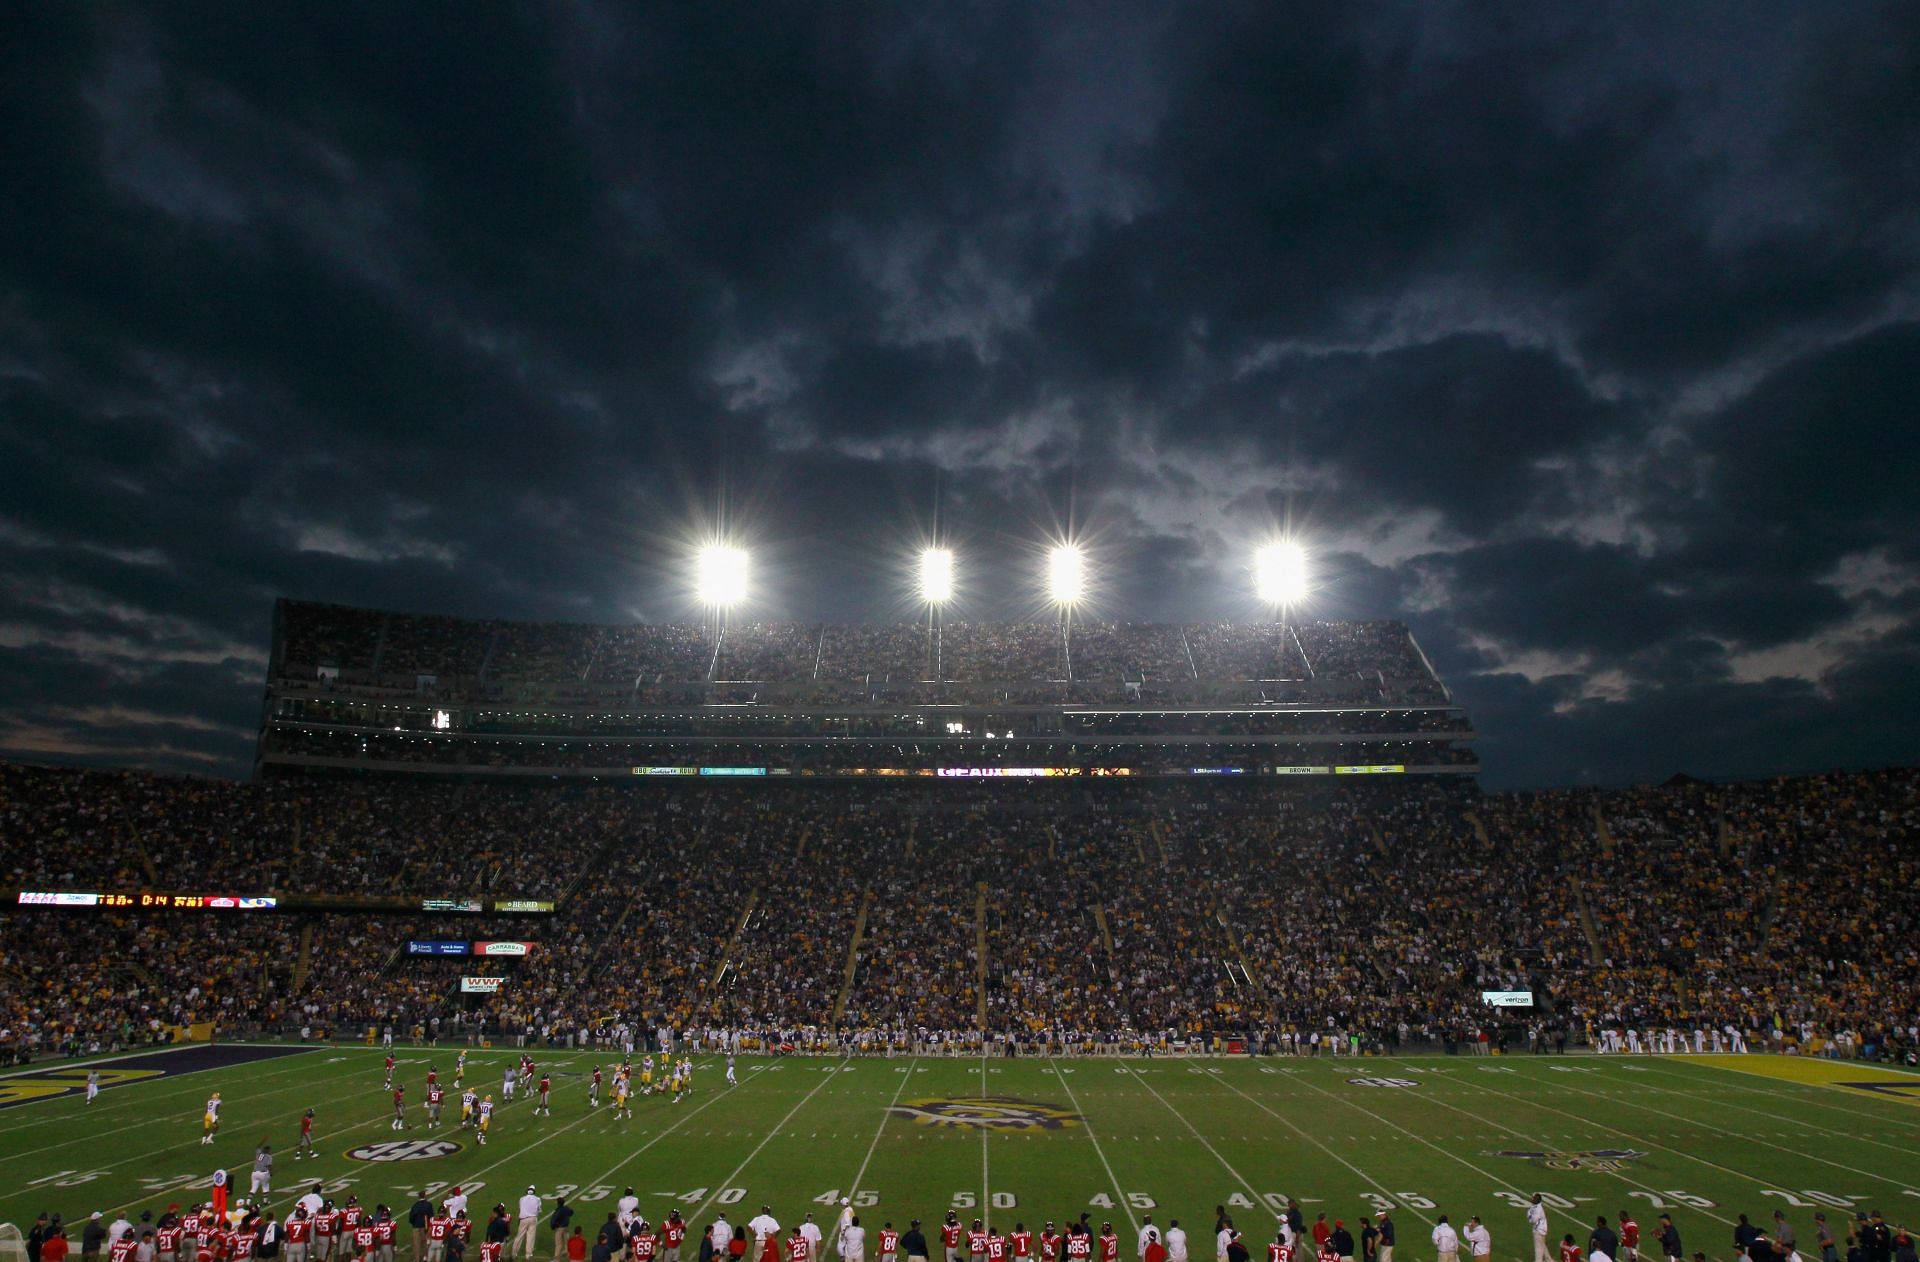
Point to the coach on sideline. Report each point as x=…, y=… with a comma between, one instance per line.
x=914, y=1242
x=418, y=1215
x=523, y=1235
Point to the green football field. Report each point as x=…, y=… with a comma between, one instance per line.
x=1704, y=1138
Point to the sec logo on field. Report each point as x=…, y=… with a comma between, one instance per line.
x=987, y=1113
x=404, y=1150
x=1383, y=1082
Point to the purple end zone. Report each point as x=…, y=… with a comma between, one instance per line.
x=37, y=1084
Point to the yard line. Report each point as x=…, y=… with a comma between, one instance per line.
x=1363, y=1176
x=1901, y=1183
x=1204, y=1141
x=1621, y=1175
x=1678, y=1152
x=1098, y=1150
x=587, y=1117
x=144, y=1100
x=385, y=1116
x=860, y=1174
x=986, y=1201
x=1774, y=1117
x=764, y=1139
x=1816, y=1095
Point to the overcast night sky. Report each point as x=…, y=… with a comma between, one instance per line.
x=1583, y=338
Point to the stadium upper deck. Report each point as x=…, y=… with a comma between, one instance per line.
x=365, y=688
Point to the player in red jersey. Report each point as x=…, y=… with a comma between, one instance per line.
x=298, y=1233
x=385, y=1232
x=1629, y=1238
x=245, y=1236
x=799, y=1248
x=439, y=1227
x=435, y=1097
x=593, y=1089
x=326, y=1231
x=1049, y=1243
x=122, y=1250
x=996, y=1246
x=433, y=1076
x=1079, y=1247
x=1020, y=1242
x=889, y=1243
x=950, y=1236
x=642, y=1244
x=672, y=1233
x=976, y=1242
x=363, y=1239
x=303, y=1147
x=1569, y=1251
x=166, y=1240
x=390, y=1064
x=1109, y=1243
x=541, y=1105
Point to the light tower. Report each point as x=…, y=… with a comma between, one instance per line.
x=936, y=589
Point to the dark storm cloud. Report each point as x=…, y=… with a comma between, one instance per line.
x=1582, y=339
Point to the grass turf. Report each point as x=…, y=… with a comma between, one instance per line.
x=1702, y=1138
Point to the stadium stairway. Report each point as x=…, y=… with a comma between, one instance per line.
x=853, y=954
x=733, y=939
x=1479, y=829
x=1603, y=832
x=146, y=860
x=1106, y=934
x=1239, y=956
x=303, y=961
x=980, y=952
x=1596, y=955
x=1160, y=840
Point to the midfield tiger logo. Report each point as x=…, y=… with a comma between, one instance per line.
x=1605, y=1160
x=990, y=1113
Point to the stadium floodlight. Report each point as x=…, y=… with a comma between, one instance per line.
x=1066, y=575
x=1280, y=573
x=936, y=576
x=720, y=575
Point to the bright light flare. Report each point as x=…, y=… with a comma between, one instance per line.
x=1280, y=573
x=936, y=576
x=720, y=575
x=1066, y=575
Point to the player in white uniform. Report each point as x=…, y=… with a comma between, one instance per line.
x=731, y=1080
x=506, y=1085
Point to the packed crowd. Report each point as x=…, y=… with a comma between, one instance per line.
x=1105, y=912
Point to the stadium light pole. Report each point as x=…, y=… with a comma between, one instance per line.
x=1066, y=575
x=936, y=589
x=1280, y=574
x=720, y=575
x=1066, y=583
x=720, y=582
